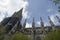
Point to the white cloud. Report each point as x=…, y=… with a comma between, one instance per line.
x=25, y=14
x=53, y=18
x=49, y=10
x=1, y=17
x=28, y=25
x=45, y=24
x=10, y=6
x=58, y=14
x=38, y=22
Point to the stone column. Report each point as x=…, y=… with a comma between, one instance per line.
x=52, y=24
x=33, y=29
x=43, y=30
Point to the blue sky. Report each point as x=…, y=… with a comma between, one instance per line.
x=31, y=8
x=42, y=8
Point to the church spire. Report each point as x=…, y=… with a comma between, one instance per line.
x=24, y=25
x=18, y=14
x=52, y=24
x=14, y=21
x=58, y=18
x=41, y=22
x=42, y=26
x=33, y=29
x=33, y=24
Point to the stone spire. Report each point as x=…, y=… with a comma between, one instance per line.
x=52, y=24
x=42, y=25
x=14, y=22
x=41, y=22
x=58, y=18
x=33, y=24
x=33, y=29
x=18, y=14
x=42, y=29
x=24, y=25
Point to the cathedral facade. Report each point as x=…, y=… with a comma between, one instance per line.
x=13, y=24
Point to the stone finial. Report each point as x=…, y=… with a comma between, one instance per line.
x=50, y=21
x=52, y=24
x=41, y=22
x=58, y=18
